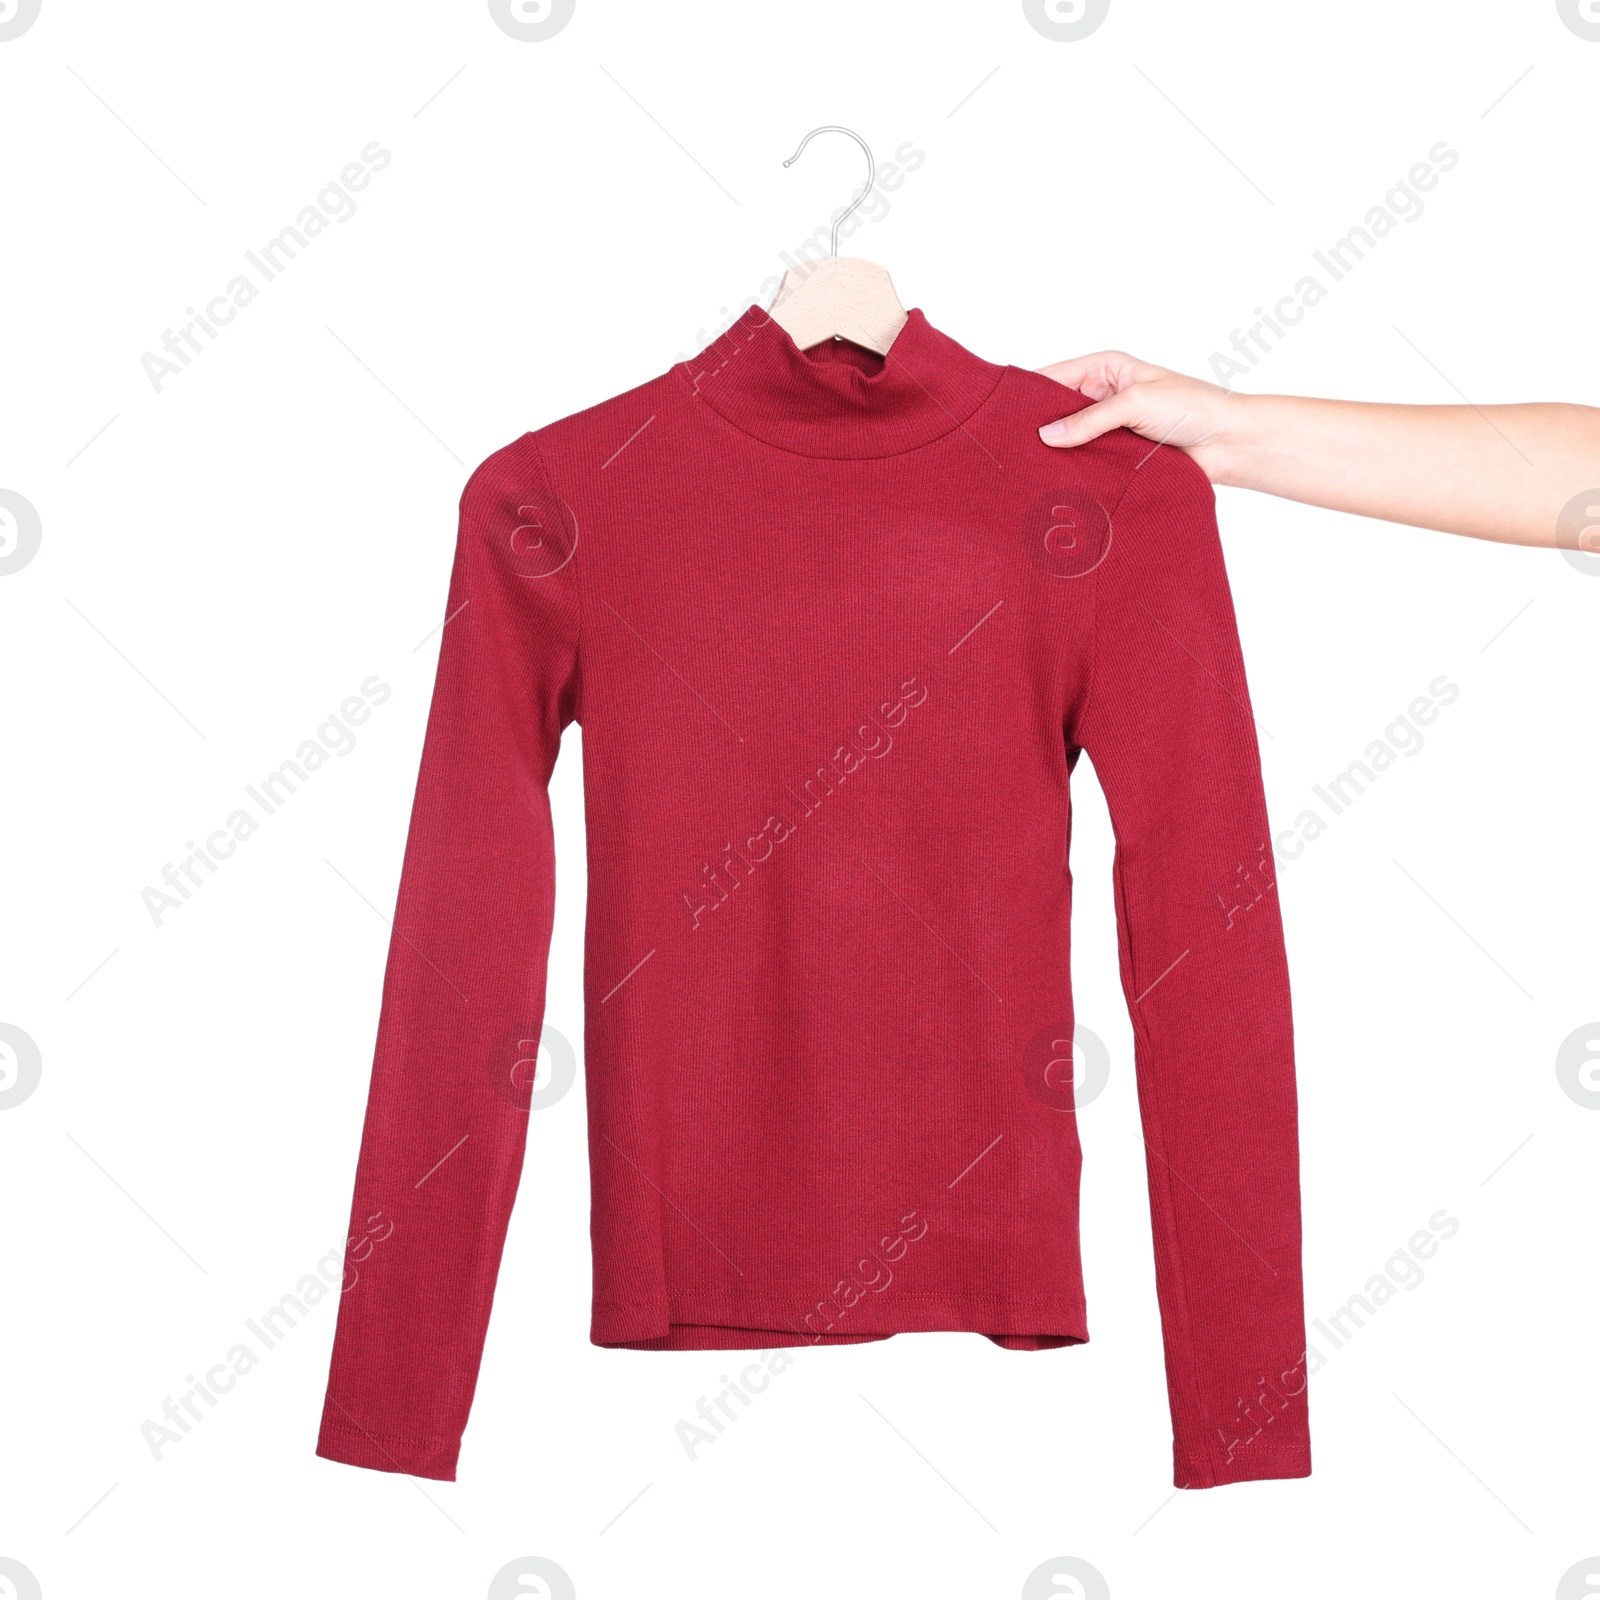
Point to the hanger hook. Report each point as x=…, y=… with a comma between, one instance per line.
x=833, y=248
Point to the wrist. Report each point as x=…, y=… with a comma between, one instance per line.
x=1233, y=440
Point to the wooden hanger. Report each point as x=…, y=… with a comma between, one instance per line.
x=840, y=297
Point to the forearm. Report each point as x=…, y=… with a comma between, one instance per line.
x=1491, y=472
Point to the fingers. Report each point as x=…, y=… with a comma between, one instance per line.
x=1119, y=411
x=1074, y=374
x=1101, y=374
x=1163, y=406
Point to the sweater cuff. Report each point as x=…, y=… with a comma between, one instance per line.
x=346, y=1441
x=1285, y=1456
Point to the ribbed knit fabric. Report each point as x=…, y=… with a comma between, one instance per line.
x=837, y=629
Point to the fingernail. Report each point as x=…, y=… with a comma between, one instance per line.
x=1054, y=433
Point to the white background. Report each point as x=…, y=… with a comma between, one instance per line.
x=226, y=561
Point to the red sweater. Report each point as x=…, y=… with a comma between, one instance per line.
x=837, y=630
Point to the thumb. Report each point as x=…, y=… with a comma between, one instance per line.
x=1115, y=411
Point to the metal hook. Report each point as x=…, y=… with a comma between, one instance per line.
x=833, y=248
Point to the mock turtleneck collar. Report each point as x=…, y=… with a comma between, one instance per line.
x=837, y=400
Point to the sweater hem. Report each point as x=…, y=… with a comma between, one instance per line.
x=723, y=1322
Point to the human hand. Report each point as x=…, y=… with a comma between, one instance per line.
x=1432, y=466
x=1165, y=407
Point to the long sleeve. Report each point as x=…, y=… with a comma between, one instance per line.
x=836, y=646
x=1168, y=726
x=463, y=995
